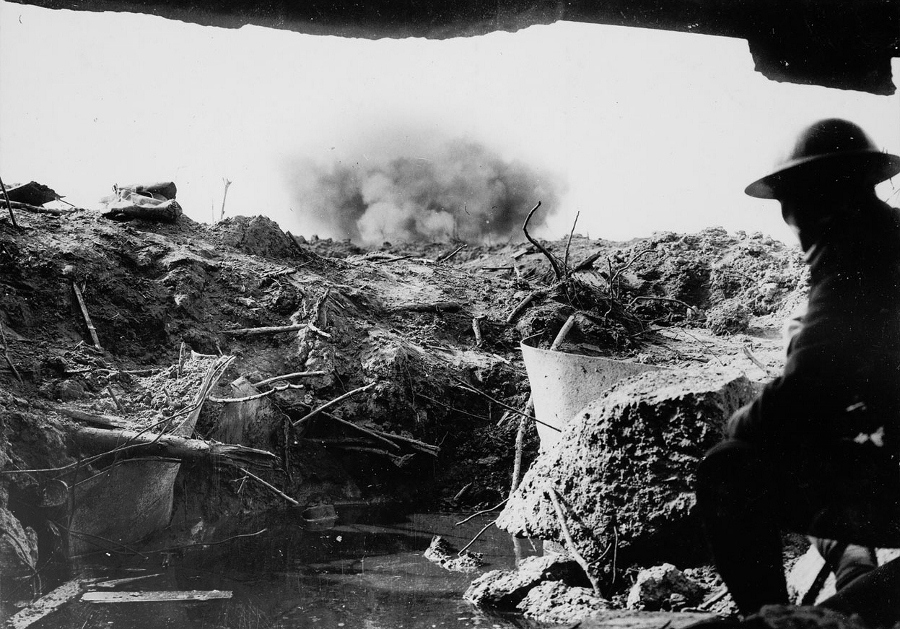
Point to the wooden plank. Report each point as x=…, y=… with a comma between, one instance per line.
x=46, y=604
x=155, y=597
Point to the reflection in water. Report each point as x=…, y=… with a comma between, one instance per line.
x=365, y=572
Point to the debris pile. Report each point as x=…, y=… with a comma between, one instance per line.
x=390, y=374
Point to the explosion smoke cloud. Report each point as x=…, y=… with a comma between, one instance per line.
x=462, y=191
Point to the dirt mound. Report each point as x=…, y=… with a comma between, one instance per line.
x=259, y=236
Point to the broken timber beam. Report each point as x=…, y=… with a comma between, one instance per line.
x=266, y=330
x=100, y=440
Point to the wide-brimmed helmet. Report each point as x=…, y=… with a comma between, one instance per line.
x=827, y=150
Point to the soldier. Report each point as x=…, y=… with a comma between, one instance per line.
x=817, y=450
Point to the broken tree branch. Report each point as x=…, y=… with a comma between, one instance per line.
x=524, y=304
x=313, y=328
x=447, y=256
x=87, y=317
x=754, y=359
x=288, y=376
x=101, y=440
x=375, y=434
x=554, y=263
x=337, y=400
x=570, y=543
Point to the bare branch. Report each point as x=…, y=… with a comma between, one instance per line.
x=570, y=543
x=554, y=263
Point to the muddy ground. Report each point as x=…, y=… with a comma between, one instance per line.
x=399, y=318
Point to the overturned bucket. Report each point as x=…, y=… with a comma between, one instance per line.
x=562, y=384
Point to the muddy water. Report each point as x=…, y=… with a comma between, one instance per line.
x=365, y=571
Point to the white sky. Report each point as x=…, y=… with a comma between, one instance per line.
x=650, y=130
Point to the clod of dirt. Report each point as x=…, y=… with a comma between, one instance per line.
x=554, y=602
x=441, y=552
x=624, y=468
x=505, y=589
x=258, y=235
x=663, y=587
x=729, y=317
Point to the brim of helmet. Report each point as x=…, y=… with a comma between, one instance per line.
x=878, y=166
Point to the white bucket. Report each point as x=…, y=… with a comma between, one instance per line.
x=562, y=384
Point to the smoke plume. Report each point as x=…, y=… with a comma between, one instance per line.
x=462, y=191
